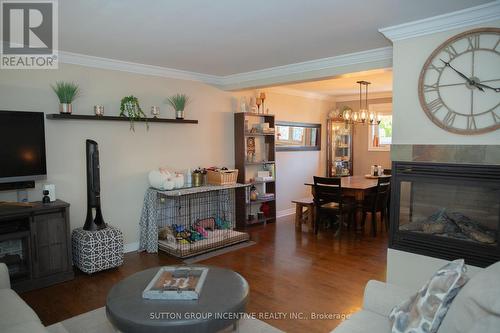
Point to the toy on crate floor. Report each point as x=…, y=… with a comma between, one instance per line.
x=208, y=223
x=167, y=234
x=222, y=224
x=195, y=235
x=201, y=231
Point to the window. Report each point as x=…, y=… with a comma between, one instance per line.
x=283, y=133
x=298, y=134
x=380, y=137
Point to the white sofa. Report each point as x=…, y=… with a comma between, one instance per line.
x=15, y=315
x=378, y=301
x=475, y=309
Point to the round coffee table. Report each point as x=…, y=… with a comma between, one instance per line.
x=224, y=295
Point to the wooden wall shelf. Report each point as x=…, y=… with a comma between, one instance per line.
x=59, y=116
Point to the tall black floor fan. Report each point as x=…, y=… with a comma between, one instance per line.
x=93, y=189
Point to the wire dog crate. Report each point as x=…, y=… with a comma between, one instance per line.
x=197, y=220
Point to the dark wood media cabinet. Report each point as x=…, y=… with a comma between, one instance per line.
x=39, y=241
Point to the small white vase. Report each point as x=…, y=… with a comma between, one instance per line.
x=179, y=114
x=65, y=108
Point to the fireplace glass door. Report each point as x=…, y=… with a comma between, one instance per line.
x=446, y=211
x=466, y=212
x=14, y=248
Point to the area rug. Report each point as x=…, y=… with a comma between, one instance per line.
x=216, y=253
x=96, y=322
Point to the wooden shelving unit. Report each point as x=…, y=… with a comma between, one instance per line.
x=266, y=150
x=59, y=116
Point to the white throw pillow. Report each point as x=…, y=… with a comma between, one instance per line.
x=425, y=310
x=477, y=306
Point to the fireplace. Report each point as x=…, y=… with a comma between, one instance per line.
x=14, y=248
x=446, y=211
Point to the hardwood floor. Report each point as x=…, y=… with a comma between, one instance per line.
x=288, y=272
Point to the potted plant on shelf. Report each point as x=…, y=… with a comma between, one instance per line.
x=129, y=107
x=178, y=102
x=67, y=92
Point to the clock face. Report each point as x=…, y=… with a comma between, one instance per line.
x=459, y=86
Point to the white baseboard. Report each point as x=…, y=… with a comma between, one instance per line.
x=131, y=247
x=286, y=212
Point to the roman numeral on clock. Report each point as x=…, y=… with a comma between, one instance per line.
x=435, y=105
x=430, y=87
x=473, y=42
x=452, y=53
x=496, y=118
x=438, y=69
x=449, y=119
x=496, y=45
x=471, y=123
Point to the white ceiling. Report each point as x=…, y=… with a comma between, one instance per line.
x=345, y=85
x=223, y=37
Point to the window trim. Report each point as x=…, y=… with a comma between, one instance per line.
x=384, y=109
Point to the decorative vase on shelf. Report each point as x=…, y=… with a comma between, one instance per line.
x=243, y=104
x=179, y=114
x=178, y=102
x=253, y=193
x=253, y=106
x=99, y=110
x=65, y=108
x=155, y=111
x=66, y=92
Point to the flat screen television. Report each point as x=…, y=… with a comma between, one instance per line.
x=22, y=146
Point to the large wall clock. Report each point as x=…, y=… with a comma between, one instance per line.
x=459, y=85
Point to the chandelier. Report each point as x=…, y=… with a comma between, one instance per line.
x=363, y=115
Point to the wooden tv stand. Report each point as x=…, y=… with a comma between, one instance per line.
x=40, y=247
x=4, y=204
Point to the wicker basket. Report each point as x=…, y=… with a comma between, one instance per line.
x=222, y=177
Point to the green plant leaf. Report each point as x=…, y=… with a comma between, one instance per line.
x=66, y=92
x=178, y=101
x=129, y=107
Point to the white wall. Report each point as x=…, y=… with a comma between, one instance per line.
x=294, y=168
x=125, y=156
x=410, y=124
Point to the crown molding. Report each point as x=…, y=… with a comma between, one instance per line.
x=454, y=20
x=132, y=67
x=301, y=93
x=309, y=70
x=355, y=97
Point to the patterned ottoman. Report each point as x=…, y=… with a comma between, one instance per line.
x=98, y=250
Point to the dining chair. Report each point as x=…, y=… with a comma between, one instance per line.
x=378, y=202
x=329, y=202
x=387, y=172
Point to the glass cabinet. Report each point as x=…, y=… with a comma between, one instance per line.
x=339, y=148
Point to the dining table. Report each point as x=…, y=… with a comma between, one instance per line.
x=357, y=187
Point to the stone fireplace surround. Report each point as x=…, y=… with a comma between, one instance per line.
x=432, y=165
